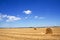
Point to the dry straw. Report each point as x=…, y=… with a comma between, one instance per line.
x=49, y=31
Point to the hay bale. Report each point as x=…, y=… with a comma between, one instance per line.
x=48, y=31
x=35, y=29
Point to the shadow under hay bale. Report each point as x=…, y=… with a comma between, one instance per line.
x=49, y=31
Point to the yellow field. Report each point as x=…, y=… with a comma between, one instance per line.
x=29, y=34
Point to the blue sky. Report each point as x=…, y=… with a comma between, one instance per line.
x=29, y=13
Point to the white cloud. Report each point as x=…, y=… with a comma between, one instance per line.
x=36, y=17
x=27, y=12
x=0, y=17
x=41, y=17
x=3, y=16
x=26, y=17
x=9, y=18
x=12, y=18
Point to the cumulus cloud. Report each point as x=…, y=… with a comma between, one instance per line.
x=27, y=11
x=41, y=17
x=0, y=16
x=3, y=16
x=12, y=18
x=26, y=17
x=38, y=17
x=9, y=18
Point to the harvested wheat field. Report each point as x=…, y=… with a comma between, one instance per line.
x=30, y=34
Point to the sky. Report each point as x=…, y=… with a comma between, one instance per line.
x=29, y=13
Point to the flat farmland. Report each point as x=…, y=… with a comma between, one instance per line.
x=29, y=34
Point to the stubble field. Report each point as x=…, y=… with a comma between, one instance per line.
x=29, y=34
